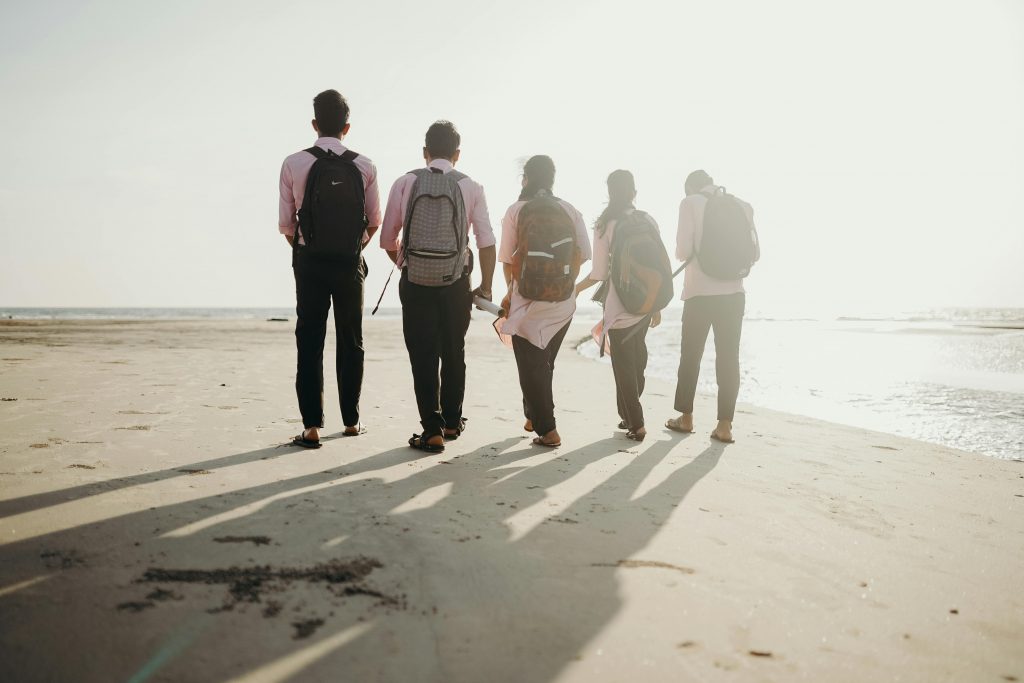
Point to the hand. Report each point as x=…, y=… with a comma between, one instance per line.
x=656, y=319
x=482, y=293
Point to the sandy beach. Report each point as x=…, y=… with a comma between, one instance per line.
x=155, y=527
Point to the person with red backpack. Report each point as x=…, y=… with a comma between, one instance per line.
x=632, y=266
x=718, y=244
x=329, y=208
x=543, y=242
x=433, y=209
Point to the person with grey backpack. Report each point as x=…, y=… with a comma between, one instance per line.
x=435, y=207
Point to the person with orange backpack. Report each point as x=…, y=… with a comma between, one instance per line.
x=633, y=268
x=543, y=242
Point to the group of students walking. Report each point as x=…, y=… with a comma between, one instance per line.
x=330, y=208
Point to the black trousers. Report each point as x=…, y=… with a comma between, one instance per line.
x=724, y=314
x=435, y=321
x=317, y=283
x=536, y=371
x=629, y=361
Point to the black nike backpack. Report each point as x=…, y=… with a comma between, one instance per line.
x=332, y=218
x=728, y=244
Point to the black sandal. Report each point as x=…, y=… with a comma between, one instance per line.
x=302, y=441
x=455, y=433
x=420, y=442
x=623, y=425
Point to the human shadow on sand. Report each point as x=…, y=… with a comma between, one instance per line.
x=501, y=564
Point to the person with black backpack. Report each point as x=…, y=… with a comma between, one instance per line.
x=329, y=208
x=435, y=207
x=718, y=244
x=633, y=268
x=543, y=242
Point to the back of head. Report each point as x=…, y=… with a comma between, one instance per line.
x=621, y=192
x=331, y=112
x=697, y=181
x=443, y=140
x=539, y=172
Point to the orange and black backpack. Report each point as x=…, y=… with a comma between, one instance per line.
x=547, y=259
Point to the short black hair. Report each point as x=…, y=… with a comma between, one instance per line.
x=331, y=112
x=443, y=140
x=696, y=181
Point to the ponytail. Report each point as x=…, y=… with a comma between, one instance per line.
x=621, y=191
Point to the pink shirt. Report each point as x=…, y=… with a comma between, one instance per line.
x=615, y=316
x=294, y=172
x=691, y=221
x=398, y=202
x=538, y=321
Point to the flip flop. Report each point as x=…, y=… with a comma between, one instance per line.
x=673, y=424
x=714, y=435
x=360, y=429
x=633, y=436
x=302, y=441
x=537, y=441
x=420, y=442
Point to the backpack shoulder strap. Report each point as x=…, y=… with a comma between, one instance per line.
x=318, y=152
x=349, y=155
x=457, y=176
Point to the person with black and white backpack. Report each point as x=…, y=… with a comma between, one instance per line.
x=429, y=214
x=329, y=208
x=632, y=266
x=717, y=243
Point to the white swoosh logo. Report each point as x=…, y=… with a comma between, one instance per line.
x=337, y=183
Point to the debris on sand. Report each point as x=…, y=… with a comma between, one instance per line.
x=255, y=540
x=760, y=653
x=637, y=564
x=134, y=606
x=247, y=584
x=306, y=628
x=62, y=559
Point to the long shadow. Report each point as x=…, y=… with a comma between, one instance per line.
x=477, y=604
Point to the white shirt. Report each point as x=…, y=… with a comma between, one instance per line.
x=691, y=227
x=398, y=201
x=538, y=321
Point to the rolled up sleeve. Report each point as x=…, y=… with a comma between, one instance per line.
x=391, y=226
x=371, y=197
x=480, y=220
x=685, y=231
x=602, y=247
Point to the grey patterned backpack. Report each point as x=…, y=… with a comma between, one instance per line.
x=436, y=229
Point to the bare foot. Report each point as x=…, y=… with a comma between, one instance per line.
x=312, y=434
x=683, y=423
x=551, y=439
x=637, y=434
x=528, y=427
x=354, y=430
x=723, y=432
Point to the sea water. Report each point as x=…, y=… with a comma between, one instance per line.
x=953, y=377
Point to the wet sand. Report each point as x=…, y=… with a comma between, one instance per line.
x=156, y=527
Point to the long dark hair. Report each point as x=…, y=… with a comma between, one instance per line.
x=621, y=191
x=540, y=175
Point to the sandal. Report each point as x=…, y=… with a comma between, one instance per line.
x=623, y=425
x=357, y=430
x=673, y=424
x=633, y=436
x=302, y=441
x=452, y=434
x=538, y=441
x=420, y=441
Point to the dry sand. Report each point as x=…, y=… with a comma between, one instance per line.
x=154, y=528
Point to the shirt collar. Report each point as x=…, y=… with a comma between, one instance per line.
x=330, y=143
x=443, y=164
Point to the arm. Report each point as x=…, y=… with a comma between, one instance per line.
x=685, y=231
x=586, y=283
x=488, y=259
x=391, y=226
x=286, y=221
x=371, y=199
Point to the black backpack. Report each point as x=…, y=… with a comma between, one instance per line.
x=639, y=267
x=728, y=245
x=332, y=218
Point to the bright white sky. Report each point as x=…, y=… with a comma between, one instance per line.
x=880, y=142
